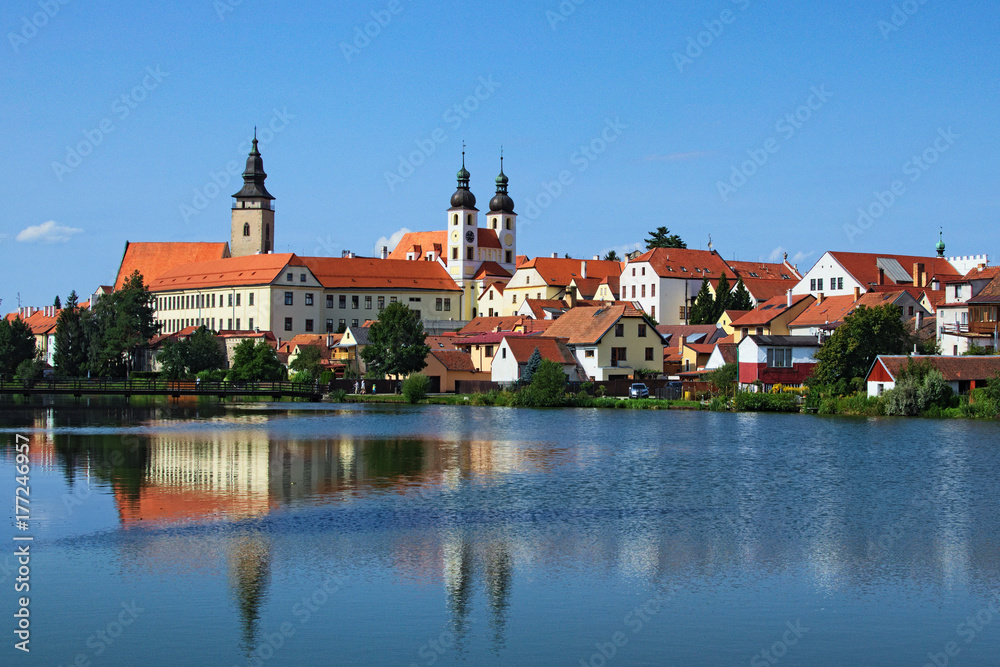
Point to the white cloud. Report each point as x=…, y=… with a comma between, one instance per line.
x=47, y=232
x=778, y=253
x=390, y=242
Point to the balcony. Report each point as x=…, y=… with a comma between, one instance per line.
x=970, y=330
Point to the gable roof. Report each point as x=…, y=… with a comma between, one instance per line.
x=490, y=324
x=764, y=290
x=864, y=267
x=764, y=271
x=453, y=360
x=538, y=307
x=420, y=243
x=247, y=270
x=370, y=273
x=561, y=271
x=832, y=311
x=952, y=368
x=491, y=269
x=703, y=333
x=770, y=310
x=985, y=273
x=586, y=325
x=152, y=260
x=553, y=349
x=989, y=294
x=497, y=285
x=686, y=263
x=729, y=352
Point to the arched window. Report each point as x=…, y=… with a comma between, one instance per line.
x=508, y=223
x=246, y=229
x=468, y=219
x=454, y=219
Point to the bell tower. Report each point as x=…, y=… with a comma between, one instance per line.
x=253, y=210
x=503, y=221
x=463, y=230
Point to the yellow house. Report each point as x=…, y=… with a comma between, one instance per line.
x=772, y=317
x=727, y=319
x=549, y=278
x=611, y=343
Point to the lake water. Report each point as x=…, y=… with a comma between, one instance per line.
x=278, y=535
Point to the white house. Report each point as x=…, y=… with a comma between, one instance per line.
x=514, y=353
x=771, y=360
x=664, y=281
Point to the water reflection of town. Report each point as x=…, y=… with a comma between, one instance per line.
x=239, y=474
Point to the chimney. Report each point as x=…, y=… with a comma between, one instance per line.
x=822, y=298
x=583, y=269
x=788, y=299
x=923, y=279
x=555, y=255
x=857, y=293
x=571, y=296
x=385, y=252
x=596, y=258
x=918, y=269
x=881, y=276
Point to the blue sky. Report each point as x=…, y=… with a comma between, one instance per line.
x=674, y=114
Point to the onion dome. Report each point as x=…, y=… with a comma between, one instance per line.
x=463, y=197
x=254, y=176
x=940, y=244
x=501, y=202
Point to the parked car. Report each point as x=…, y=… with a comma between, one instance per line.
x=638, y=390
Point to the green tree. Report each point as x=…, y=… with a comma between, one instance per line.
x=851, y=350
x=121, y=326
x=723, y=297
x=548, y=386
x=662, y=238
x=307, y=364
x=612, y=256
x=256, y=362
x=57, y=303
x=919, y=386
x=17, y=345
x=172, y=359
x=724, y=378
x=70, y=356
x=415, y=387
x=396, y=343
x=703, y=308
x=531, y=366
x=203, y=352
x=741, y=299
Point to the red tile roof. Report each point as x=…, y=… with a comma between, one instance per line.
x=441, y=342
x=764, y=271
x=763, y=290
x=497, y=285
x=367, y=273
x=153, y=260
x=769, y=311
x=686, y=263
x=986, y=273
x=487, y=324
x=491, y=269
x=989, y=294
x=453, y=360
x=553, y=349
x=561, y=271
x=587, y=325
x=952, y=368
x=864, y=266
x=232, y=271
x=420, y=243
x=487, y=238
x=538, y=306
x=729, y=352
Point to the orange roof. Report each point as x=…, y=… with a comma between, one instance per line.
x=453, y=360
x=562, y=271
x=40, y=323
x=491, y=269
x=985, y=273
x=764, y=271
x=952, y=368
x=498, y=286
x=368, y=273
x=587, y=325
x=762, y=290
x=420, y=243
x=553, y=349
x=247, y=270
x=686, y=263
x=487, y=238
x=487, y=324
x=832, y=310
x=864, y=266
x=441, y=342
x=538, y=306
x=701, y=348
x=770, y=310
x=152, y=260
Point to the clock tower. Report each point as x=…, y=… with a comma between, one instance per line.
x=463, y=231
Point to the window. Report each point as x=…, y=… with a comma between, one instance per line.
x=469, y=253
x=508, y=223
x=454, y=253
x=289, y=299
x=840, y=283
x=309, y=325
x=489, y=351
x=503, y=353
x=644, y=270
x=229, y=323
x=760, y=331
x=343, y=301
x=288, y=323
x=246, y=229
x=454, y=219
x=643, y=294
x=508, y=256
x=342, y=324
x=289, y=277
x=417, y=314
x=649, y=354
x=468, y=219
x=618, y=355
x=392, y=299
x=812, y=284
x=213, y=300
x=513, y=298
x=415, y=299
x=489, y=295
x=619, y=330
x=329, y=326
x=642, y=331
x=911, y=311
x=329, y=301
x=238, y=295
x=355, y=301
x=819, y=284
x=368, y=302
x=589, y=354
x=354, y=323
x=381, y=303
x=309, y=298
x=652, y=312
x=447, y=305
x=237, y=323
x=623, y=292
x=633, y=291
x=779, y=357
x=302, y=277
x=438, y=304
x=745, y=331
x=652, y=290
x=249, y=324
x=250, y=299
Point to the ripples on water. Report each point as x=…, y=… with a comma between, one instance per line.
x=434, y=535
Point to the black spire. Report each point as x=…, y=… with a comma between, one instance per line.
x=502, y=203
x=463, y=197
x=254, y=176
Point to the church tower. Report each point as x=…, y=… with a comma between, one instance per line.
x=463, y=230
x=253, y=211
x=503, y=221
